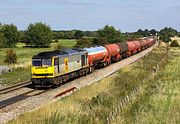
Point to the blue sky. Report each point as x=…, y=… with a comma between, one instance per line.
x=126, y=15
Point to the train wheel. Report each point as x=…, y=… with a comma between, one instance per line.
x=54, y=86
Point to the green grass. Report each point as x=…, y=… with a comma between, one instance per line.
x=16, y=76
x=24, y=57
x=25, y=54
x=66, y=43
x=92, y=104
x=160, y=103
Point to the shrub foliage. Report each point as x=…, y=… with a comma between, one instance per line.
x=174, y=43
x=10, y=57
x=38, y=35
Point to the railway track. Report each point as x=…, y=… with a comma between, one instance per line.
x=20, y=98
x=18, y=92
x=15, y=87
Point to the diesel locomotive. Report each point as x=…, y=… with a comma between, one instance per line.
x=56, y=67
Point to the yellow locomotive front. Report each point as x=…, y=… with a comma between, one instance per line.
x=42, y=71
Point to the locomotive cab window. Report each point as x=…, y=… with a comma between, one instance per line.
x=37, y=62
x=56, y=61
x=47, y=62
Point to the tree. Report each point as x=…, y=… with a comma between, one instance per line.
x=2, y=39
x=11, y=35
x=78, y=34
x=166, y=33
x=153, y=32
x=165, y=38
x=84, y=42
x=170, y=32
x=60, y=35
x=10, y=57
x=110, y=33
x=22, y=36
x=0, y=26
x=69, y=34
x=178, y=34
x=100, y=41
x=38, y=35
x=140, y=31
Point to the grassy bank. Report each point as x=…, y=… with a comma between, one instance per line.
x=16, y=76
x=94, y=103
x=160, y=103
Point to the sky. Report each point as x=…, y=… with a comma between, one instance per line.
x=125, y=15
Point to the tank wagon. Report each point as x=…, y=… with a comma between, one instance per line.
x=142, y=44
x=131, y=48
x=97, y=56
x=123, y=49
x=55, y=67
x=113, y=52
x=137, y=45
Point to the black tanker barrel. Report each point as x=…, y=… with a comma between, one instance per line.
x=123, y=46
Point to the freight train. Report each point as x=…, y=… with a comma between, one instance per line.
x=56, y=67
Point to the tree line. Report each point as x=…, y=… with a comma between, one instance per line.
x=40, y=35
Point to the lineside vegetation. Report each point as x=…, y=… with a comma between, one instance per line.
x=94, y=103
x=160, y=101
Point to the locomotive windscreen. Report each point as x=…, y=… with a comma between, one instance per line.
x=42, y=62
x=37, y=62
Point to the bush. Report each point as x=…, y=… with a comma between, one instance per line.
x=84, y=42
x=165, y=38
x=58, y=46
x=10, y=57
x=174, y=43
x=56, y=41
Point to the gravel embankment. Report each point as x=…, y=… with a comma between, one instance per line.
x=34, y=102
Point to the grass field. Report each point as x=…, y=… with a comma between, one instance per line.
x=66, y=43
x=93, y=103
x=160, y=103
x=16, y=76
x=24, y=56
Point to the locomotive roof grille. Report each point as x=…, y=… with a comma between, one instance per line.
x=60, y=53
